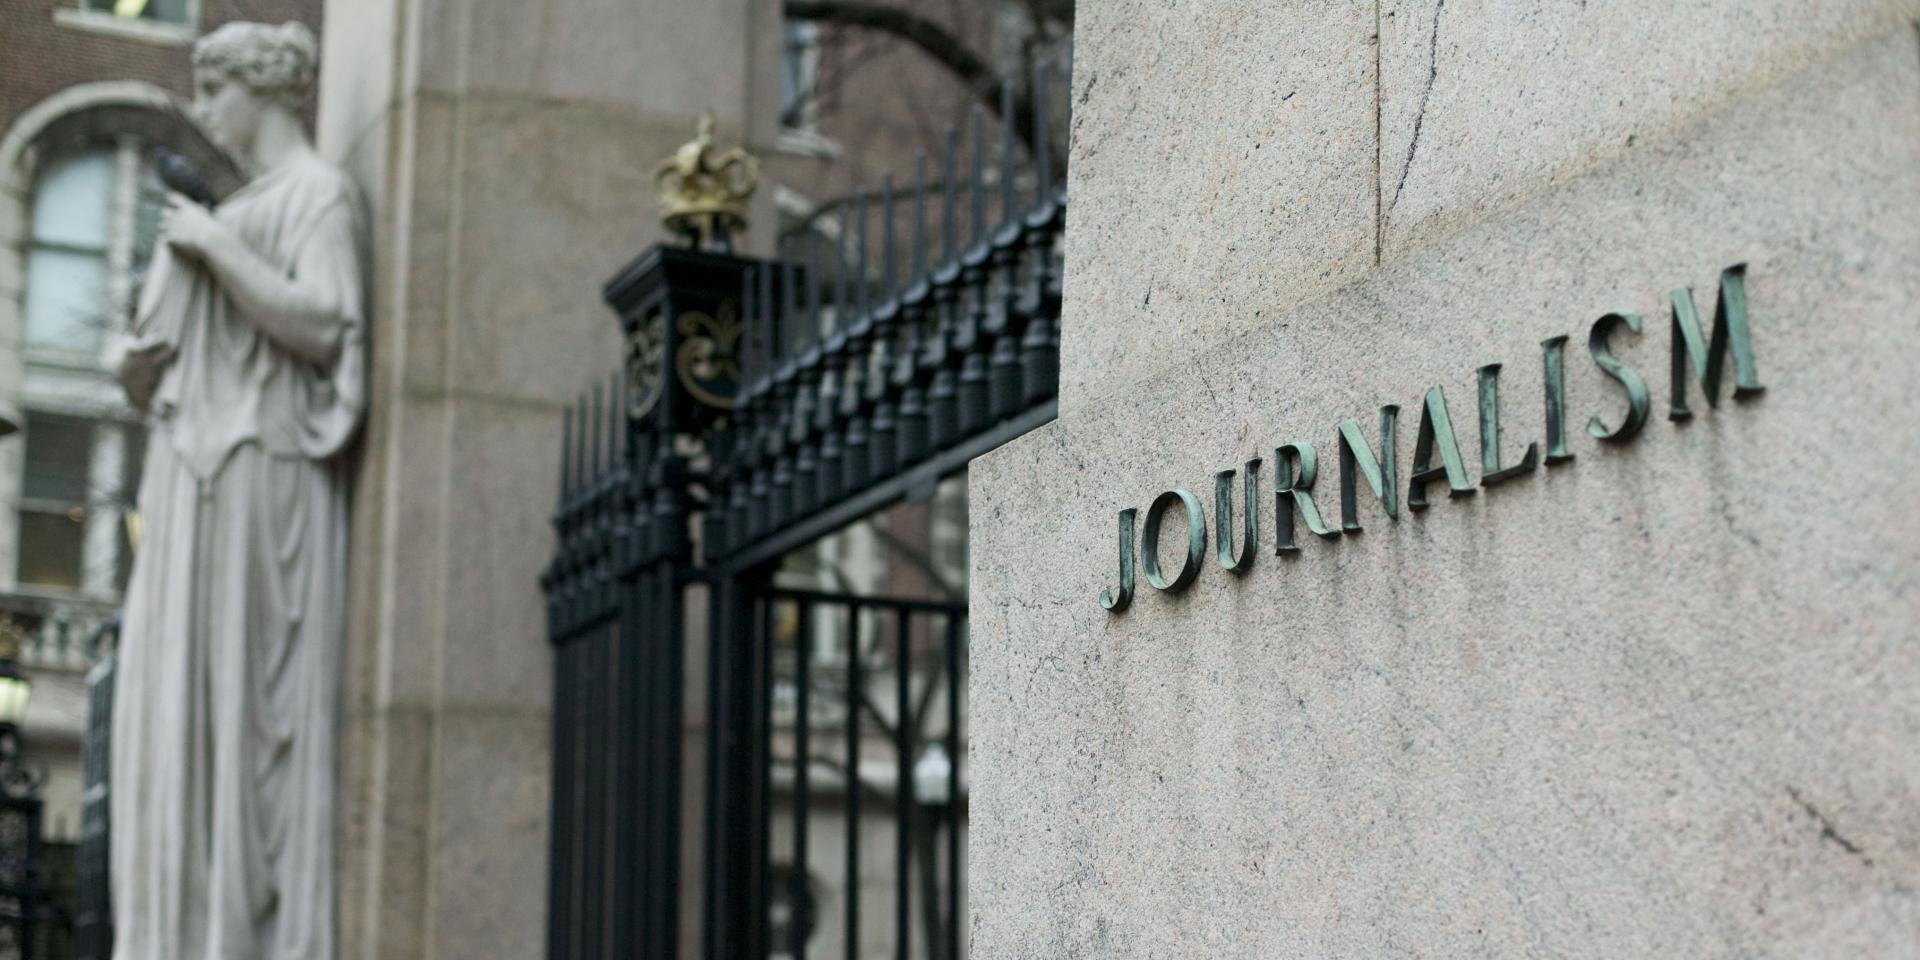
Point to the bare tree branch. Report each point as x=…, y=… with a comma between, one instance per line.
x=932, y=39
x=916, y=559
x=826, y=88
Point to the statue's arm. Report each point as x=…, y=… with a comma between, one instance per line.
x=305, y=312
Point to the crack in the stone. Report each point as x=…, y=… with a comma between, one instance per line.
x=1420, y=116
x=1827, y=829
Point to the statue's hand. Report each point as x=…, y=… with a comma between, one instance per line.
x=189, y=227
x=139, y=372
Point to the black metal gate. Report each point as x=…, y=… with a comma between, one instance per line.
x=911, y=653
x=712, y=725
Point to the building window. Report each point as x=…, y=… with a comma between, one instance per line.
x=170, y=23
x=54, y=499
x=96, y=216
x=161, y=11
x=799, y=76
x=67, y=295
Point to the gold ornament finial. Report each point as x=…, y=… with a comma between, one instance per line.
x=703, y=192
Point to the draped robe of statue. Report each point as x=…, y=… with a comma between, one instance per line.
x=228, y=681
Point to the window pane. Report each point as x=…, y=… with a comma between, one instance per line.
x=168, y=11
x=58, y=451
x=71, y=199
x=66, y=299
x=50, y=550
x=799, y=59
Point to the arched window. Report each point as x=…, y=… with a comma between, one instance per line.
x=67, y=293
x=94, y=216
x=92, y=219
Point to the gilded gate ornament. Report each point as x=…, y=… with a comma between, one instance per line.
x=646, y=347
x=707, y=361
x=703, y=191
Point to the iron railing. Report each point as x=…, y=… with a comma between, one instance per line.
x=872, y=360
x=93, y=905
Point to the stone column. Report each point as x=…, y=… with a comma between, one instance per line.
x=13, y=233
x=1655, y=700
x=506, y=150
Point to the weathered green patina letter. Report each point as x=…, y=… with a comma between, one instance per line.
x=1108, y=599
x=1298, y=467
x=1553, y=357
x=1709, y=356
x=1490, y=470
x=1196, y=540
x=1436, y=429
x=1637, y=399
x=1223, y=518
x=1357, y=460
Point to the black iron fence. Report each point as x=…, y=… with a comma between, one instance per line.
x=20, y=899
x=92, y=906
x=858, y=368
x=883, y=750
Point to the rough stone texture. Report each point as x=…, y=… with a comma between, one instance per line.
x=506, y=151
x=1173, y=235
x=1658, y=701
x=1483, y=103
x=1292, y=151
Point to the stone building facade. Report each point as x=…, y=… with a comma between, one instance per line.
x=1615, y=692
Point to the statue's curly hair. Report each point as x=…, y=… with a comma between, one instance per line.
x=272, y=61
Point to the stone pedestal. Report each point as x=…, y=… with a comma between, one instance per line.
x=1655, y=700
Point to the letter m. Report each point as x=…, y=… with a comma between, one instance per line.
x=1708, y=357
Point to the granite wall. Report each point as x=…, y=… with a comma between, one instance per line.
x=507, y=152
x=1655, y=700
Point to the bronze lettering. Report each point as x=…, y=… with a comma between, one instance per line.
x=1223, y=518
x=1298, y=467
x=1553, y=358
x=1627, y=377
x=1357, y=461
x=1491, y=472
x=1436, y=430
x=1709, y=357
x=1196, y=541
x=1108, y=599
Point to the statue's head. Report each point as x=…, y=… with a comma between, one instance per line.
x=243, y=71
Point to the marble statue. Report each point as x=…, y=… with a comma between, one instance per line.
x=248, y=354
